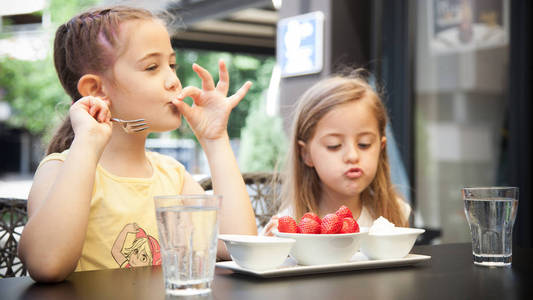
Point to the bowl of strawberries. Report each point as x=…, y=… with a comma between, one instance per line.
x=332, y=239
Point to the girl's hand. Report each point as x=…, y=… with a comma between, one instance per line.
x=271, y=225
x=209, y=114
x=90, y=117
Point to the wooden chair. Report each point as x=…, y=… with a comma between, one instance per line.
x=262, y=190
x=13, y=217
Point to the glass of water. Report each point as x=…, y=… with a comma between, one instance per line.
x=188, y=232
x=491, y=212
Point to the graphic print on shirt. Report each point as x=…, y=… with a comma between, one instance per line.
x=134, y=248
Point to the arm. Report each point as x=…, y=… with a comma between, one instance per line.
x=59, y=200
x=208, y=118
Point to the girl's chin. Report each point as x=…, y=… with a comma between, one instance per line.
x=167, y=126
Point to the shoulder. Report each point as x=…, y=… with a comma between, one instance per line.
x=54, y=157
x=44, y=178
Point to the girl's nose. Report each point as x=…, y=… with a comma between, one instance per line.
x=172, y=82
x=351, y=155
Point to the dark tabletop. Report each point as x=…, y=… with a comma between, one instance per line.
x=450, y=274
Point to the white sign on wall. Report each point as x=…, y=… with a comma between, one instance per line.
x=300, y=44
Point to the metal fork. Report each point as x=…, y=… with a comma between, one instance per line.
x=132, y=126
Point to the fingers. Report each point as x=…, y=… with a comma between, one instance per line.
x=190, y=91
x=239, y=95
x=223, y=78
x=96, y=107
x=207, y=80
x=182, y=107
x=272, y=224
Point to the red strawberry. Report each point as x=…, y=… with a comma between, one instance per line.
x=344, y=212
x=311, y=215
x=287, y=224
x=331, y=223
x=308, y=225
x=349, y=225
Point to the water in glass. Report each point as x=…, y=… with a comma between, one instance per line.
x=188, y=237
x=491, y=225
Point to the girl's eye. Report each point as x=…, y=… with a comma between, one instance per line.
x=363, y=146
x=333, y=147
x=174, y=67
x=151, y=68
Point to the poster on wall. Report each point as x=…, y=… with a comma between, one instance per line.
x=300, y=44
x=467, y=25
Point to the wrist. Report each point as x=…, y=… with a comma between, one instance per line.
x=88, y=144
x=210, y=145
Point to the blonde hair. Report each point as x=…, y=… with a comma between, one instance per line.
x=301, y=187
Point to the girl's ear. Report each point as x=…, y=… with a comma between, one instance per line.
x=383, y=142
x=91, y=85
x=305, y=155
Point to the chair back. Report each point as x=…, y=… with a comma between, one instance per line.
x=13, y=217
x=263, y=188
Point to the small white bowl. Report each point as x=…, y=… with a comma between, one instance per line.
x=396, y=244
x=321, y=249
x=257, y=252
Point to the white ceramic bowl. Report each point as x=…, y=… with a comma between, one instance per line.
x=321, y=249
x=257, y=252
x=390, y=245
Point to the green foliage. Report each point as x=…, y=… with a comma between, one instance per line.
x=62, y=11
x=263, y=141
x=31, y=87
x=34, y=93
x=241, y=68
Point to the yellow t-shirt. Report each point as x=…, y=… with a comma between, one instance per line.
x=122, y=229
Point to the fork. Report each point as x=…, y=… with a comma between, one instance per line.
x=132, y=126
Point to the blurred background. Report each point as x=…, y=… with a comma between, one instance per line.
x=454, y=73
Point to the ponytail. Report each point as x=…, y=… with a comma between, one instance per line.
x=62, y=138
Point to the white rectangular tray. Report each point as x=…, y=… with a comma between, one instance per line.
x=358, y=262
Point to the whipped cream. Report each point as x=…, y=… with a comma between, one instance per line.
x=381, y=226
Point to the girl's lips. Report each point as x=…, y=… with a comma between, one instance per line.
x=354, y=173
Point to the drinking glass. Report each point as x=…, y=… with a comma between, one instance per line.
x=188, y=231
x=491, y=212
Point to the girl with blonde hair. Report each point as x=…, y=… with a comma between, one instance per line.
x=338, y=156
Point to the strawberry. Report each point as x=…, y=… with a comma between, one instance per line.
x=344, y=212
x=331, y=223
x=311, y=215
x=308, y=225
x=287, y=224
x=349, y=225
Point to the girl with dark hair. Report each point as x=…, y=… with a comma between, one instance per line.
x=97, y=178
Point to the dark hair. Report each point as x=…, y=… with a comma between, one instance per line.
x=87, y=43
